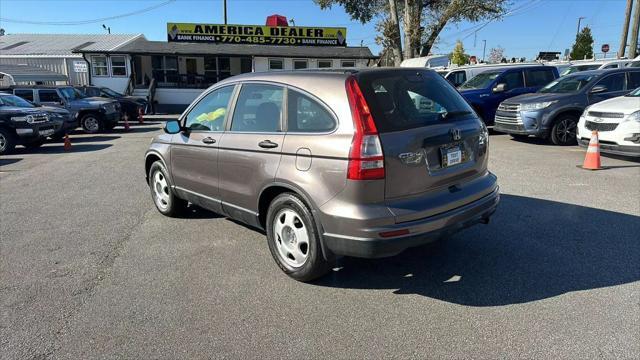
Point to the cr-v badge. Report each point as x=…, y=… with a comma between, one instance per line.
x=412, y=158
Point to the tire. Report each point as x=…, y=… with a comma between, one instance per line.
x=293, y=238
x=563, y=131
x=166, y=202
x=91, y=123
x=519, y=137
x=34, y=144
x=8, y=141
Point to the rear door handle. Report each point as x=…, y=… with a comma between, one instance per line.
x=209, y=140
x=267, y=144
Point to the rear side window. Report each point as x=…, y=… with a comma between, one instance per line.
x=512, y=80
x=402, y=100
x=614, y=82
x=48, y=96
x=25, y=94
x=457, y=78
x=209, y=113
x=92, y=91
x=634, y=80
x=307, y=115
x=258, y=108
x=538, y=77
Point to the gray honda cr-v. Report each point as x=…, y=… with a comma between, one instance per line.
x=358, y=163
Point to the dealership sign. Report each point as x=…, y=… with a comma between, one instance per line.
x=257, y=34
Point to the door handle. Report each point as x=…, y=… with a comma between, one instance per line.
x=209, y=140
x=267, y=144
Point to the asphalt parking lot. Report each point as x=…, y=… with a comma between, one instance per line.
x=90, y=269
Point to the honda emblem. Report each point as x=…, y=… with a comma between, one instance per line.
x=455, y=134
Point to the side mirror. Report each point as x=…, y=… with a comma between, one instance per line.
x=598, y=89
x=172, y=127
x=499, y=88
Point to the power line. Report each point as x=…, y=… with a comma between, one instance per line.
x=84, y=22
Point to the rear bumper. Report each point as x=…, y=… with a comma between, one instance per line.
x=421, y=231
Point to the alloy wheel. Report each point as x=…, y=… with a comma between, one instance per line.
x=566, y=131
x=92, y=124
x=3, y=143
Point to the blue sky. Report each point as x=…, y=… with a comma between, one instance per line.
x=534, y=25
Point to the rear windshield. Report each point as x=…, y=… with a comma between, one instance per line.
x=402, y=100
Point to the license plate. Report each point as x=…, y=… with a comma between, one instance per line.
x=451, y=155
x=46, y=132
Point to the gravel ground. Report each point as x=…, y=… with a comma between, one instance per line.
x=89, y=269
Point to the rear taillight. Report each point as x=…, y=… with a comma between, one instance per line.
x=366, y=160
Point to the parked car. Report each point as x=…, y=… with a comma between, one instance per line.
x=431, y=61
x=129, y=105
x=95, y=114
x=596, y=65
x=460, y=75
x=487, y=90
x=618, y=123
x=329, y=163
x=58, y=115
x=23, y=124
x=554, y=111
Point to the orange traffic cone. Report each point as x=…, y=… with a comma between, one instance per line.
x=592, y=160
x=67, y=143
x=126, y=122
x=140, y=116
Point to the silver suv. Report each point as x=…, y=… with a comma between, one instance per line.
x=359, y=163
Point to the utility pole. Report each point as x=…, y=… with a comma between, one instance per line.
x=635, y=27
x=484, y=48
x=224, y=4
x=625, y=29
x=579, y=20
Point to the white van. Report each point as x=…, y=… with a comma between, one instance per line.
x=430, y=61
x=460, y=75
x=596, y=65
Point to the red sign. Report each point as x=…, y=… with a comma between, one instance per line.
x=605, y=48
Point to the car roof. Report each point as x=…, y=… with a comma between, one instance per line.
x=606, y=71
x=40, y=86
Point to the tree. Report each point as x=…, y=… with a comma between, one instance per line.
x=421, y=20
x=583, y=47
x=496, y=55
x=458, y=56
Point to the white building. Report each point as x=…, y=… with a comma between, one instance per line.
x=56, y=52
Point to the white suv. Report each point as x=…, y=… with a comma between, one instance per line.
x=618, y=123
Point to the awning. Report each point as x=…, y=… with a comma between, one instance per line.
x=25, y=73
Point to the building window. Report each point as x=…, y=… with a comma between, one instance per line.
x=165, y=69
x=118, y=66
x=299, y=64
x=99, y=66
x=276, y=64
x=348, y=63
x=325, y=64
x=224, y=68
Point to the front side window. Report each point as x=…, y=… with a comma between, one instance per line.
x=99, y=66
x=323, y=64
x=480, y=81
x=457, y=78
x=538, y=77
x=307, y=115
x=613, y=82
x=70, y=93
x=512, y=80
x=48, y=96
x=276, y=64
x=118, y=66
x=634, y=80
x=300, y=64
x=209, y=113
x=26, y=94
x=258, y=108
x=567, y=84
x=89, y=91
